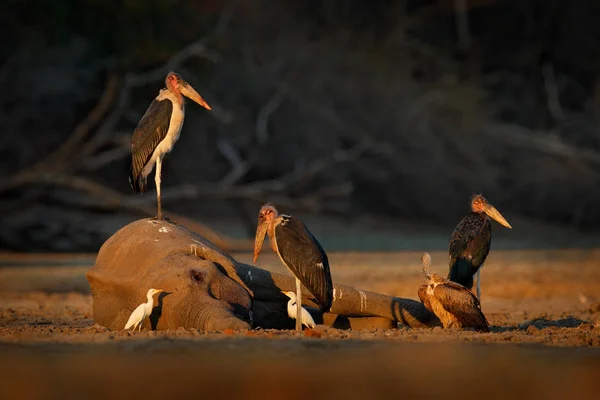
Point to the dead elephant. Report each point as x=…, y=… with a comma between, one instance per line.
x=208, y=290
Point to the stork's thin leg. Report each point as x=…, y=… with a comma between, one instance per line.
x=298, y=306
x=157, y=181
x=479, y=285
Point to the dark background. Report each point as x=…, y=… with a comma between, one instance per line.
x=352, y=109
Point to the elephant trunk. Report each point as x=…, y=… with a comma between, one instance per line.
x=208, y=318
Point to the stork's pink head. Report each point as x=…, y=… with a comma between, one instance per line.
x=174, y=81
x=176, y=84
x=266, y=216
x=480, y=205
x=267, y=213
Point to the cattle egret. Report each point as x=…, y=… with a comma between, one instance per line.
x=142, y=311
x=307, y=319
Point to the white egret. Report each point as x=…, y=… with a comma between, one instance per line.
x=306, y=319
x=142, y=311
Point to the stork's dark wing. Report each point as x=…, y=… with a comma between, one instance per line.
x=151, y=130
x=469, y=246
x=303, y=254
x=460, y=301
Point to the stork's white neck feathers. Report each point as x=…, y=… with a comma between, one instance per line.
x=175, y=98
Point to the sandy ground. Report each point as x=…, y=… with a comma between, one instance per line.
x=544, y=307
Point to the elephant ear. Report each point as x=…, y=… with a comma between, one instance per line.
x=197, y=275
x=211, y=253
x=198, y=240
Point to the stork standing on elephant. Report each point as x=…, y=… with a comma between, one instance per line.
x=471, y=241
x=158, y=131
x=298, y=250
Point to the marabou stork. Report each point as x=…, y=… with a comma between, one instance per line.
x=455, y=305
x=298, y=250
x=157, y=132
x=470, y=243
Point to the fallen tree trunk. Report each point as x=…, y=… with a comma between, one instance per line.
x=207, y=289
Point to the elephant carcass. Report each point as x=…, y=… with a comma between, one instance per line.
x=156, y=254
x=209, y=290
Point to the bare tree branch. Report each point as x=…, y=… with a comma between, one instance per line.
x=110, y=198
x=240, y=167
x=552, y=93
x=195, y=49
x=106, y=131
x=237, y=173
x=547, y=143
x=262, y=120
x=230, y=153
x=93, y=163
x=65, y=152
x=58, y=159
x=276, y=188
x=462, y=24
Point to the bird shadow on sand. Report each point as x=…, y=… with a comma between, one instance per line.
x=157, y=310
x=541, y=323
x=340, y=322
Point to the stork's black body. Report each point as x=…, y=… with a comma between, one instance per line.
x=151, y=130
x=302, y=253
x=471, y=241
x=469, y=246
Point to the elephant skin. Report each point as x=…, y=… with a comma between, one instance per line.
x=156, y=254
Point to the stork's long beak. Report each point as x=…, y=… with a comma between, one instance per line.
x=495, y=214
x=261, y=232
x=188, y=91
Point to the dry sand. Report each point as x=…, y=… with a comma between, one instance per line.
x=544, y=308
